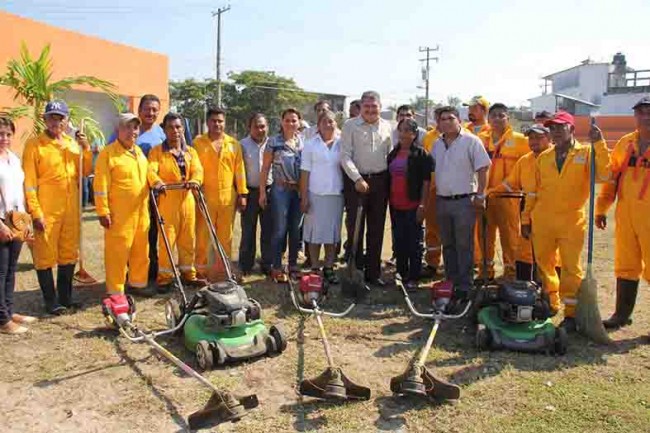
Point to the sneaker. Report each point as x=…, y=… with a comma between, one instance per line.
x=376, y=282
x=569, y=324
x=12, y=328
x=22, y=319
x=57, y=310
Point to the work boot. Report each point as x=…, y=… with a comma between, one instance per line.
x=626, y=291
x=64, y=286
x=46, y=283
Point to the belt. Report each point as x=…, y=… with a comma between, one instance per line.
x=455, y=197
x=371, y=175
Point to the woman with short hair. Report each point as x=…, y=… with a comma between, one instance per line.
x=12, y=199
x=409, y=167
x=321, y=192
x=282, y=158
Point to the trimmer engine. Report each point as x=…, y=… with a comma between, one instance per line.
x=441, y=294
x=312, y=288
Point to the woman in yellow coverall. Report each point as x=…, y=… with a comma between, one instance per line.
x=630, y=166
x=556, y=207
x=51, y=166
x=224, y=184
x=174, y=162
x=505, y=147
x=122, y=198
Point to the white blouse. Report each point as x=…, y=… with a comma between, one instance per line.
x=12, y=178
x=322, y=163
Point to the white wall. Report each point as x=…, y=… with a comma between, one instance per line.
x=620, y=104
x=101, y=106
x=541, y=103
x=593, y=82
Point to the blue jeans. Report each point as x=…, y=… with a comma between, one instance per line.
x=408, y=250
x=287, y=220
x=87, y=196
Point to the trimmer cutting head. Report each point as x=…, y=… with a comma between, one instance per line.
x=333, y=384
x=419, y=381
x=221, y=408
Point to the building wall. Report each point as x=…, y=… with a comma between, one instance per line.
x=77, y=54
x=620, y=104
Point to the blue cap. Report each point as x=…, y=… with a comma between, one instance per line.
x=57, y=107
x=643, y=101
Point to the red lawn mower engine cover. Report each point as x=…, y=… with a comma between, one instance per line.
x=312, y=287
x=441, y=294
x=522, y=302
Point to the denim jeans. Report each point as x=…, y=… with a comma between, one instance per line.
x=9, y=252
x=287, y=221
x=408, y=250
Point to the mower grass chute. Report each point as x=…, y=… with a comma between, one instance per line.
x=221, y=324
x=417, y=379
x=331, y=384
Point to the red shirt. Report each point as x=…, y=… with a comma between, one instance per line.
x=399, y=197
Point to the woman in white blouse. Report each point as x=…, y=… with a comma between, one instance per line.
x=321, y=194
x=11, y=199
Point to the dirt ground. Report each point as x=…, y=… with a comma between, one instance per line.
x=70, y=374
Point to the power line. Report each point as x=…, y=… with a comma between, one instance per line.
x=425, y=77
x=218, y=15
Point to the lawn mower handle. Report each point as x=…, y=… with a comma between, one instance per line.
x=436, y=315
x=316, y=309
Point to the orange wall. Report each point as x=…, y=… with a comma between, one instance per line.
x=613, y=127
x=77, y=54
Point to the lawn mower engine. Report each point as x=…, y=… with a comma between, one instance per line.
x=312, y=288
x=522, y=302
x=228, y=305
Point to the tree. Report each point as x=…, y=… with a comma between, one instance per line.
x=31, y=80
x=453, y=101
x=190, y=97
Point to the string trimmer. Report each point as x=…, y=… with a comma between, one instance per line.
x=418, y=380
x=221, y=407
x=332, y=384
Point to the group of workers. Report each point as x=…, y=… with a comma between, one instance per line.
x=547, y=166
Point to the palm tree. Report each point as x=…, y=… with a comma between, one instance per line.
x=31, y=80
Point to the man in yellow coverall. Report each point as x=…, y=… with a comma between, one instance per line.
x=433, y=244
x=505, y=147
x=51, y=165
x=122, y=199
x=174, y=162
x=630, y=166
x=478, y=108
x=522, y=179
x=224, y=184
x=556, y=207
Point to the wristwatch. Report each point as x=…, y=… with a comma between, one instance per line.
x=479, y=196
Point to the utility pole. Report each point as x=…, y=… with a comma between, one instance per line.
x=218, y=15
x=425, y=77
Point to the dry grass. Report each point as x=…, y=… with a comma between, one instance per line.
x=70, y=375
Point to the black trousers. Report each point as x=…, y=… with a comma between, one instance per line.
x=407, y=232
x=153, y=245
x=248, y=242
x=375, y=203
x=9, y=252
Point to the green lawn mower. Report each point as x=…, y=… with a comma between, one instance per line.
x=514, y=315
x=220, y=323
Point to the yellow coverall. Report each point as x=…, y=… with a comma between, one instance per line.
x=556, y=207
x=502, y=213
x=52, y=193
x=630, y=183
x=432, y=235
x=225, y=178
x=121, y=192
x=177, y=209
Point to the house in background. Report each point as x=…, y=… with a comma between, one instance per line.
x=134, y=72
x=605, y=90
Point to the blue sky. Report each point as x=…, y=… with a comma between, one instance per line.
x=497, y=48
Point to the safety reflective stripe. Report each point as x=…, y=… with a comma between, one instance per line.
x=137, y=285
x=185, y=267
x=201, y=267
x=101, y=193
x=31, y=189
x=570, y=301
x=532, y=194
x=434, y=248
x=507, y=186
x=167, y=270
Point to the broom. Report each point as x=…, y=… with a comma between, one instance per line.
x=82, y=276
x=588, y=320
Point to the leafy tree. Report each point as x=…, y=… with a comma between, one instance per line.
x=190, y=97
x=31, y=81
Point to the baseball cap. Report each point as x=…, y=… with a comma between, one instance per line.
x=57, y=107
x=544, y=113
x=561, y=118
x=537, y=128
x=641, y=102
x=125, y=118
x=478, y=100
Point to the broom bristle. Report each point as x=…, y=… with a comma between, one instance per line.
x=588, y=318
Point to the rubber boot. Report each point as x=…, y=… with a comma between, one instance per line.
x=524, y=271
x=46, y=282
x=64, y=277
x=626, y=291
